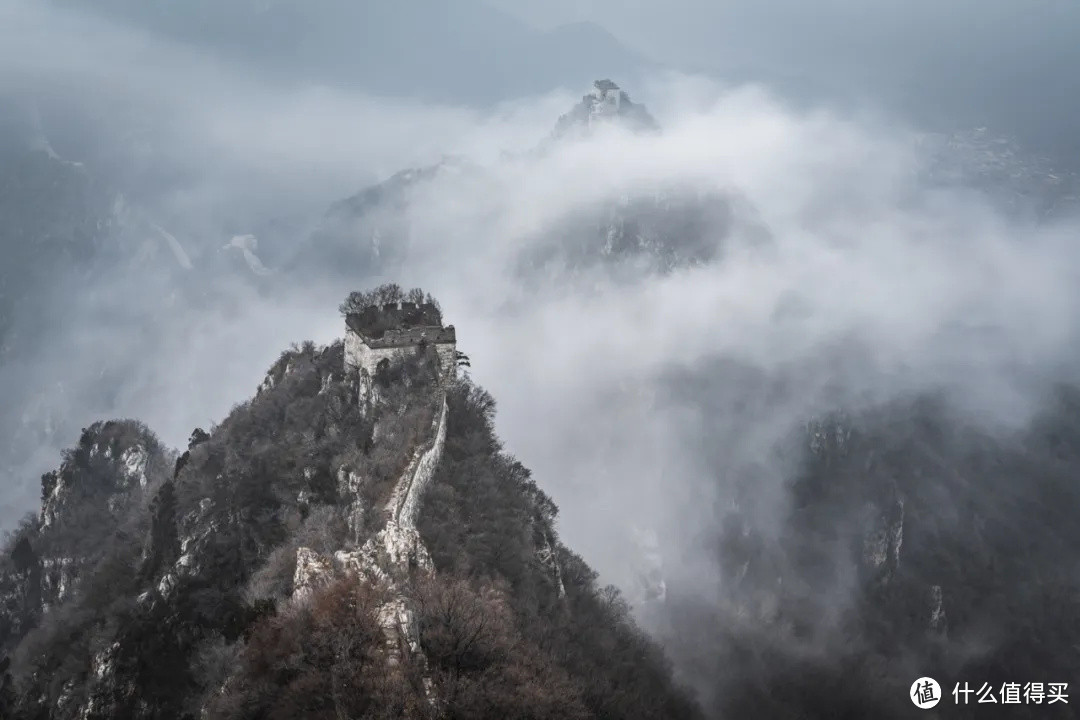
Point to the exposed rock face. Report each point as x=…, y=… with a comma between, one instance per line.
x=393, y=554
x=938, y=621
x=607, y=104
x=121, y=522
x=397, y=548
x=349, y=486
x=20, y=591
x=197, y=571
x=549, y=558
x=110, y=471
x=882, y=543
x=312, y=572
x=62, y=488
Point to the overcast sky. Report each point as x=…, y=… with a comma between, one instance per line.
x=241, y=144
x=1005, y=63
x=865, y=262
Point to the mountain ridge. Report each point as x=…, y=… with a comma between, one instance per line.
x=206, y=562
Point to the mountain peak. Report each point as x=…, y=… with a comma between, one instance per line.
x=606, y=104
x=362, y=496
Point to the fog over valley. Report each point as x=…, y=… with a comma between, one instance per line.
x=797, y=367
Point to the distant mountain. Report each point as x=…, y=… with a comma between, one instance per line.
x=912, y=543
x=157, y=584
x=657, y=229
x=1016, y=181
x=606, y=104
x=56, y=221
x=460, y=52
x=72, y=245
x=65, y=229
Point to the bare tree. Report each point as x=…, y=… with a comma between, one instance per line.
x=384, y=294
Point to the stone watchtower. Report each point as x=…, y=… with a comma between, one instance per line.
x=606, y=102
x=381, y=333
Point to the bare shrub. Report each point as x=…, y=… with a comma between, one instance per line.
x=481, y=664
x=323, y=661
x=323, y=531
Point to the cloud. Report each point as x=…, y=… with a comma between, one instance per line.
x=875, y=284
x=871, y=283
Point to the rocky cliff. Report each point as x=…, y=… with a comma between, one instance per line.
x=311, y=557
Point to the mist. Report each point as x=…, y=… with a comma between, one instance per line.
x=849, y=280
x=997, y=63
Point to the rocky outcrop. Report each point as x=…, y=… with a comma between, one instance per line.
x=88, y=505
x=115, y=464
x=196, y=530
x=349, y=484
x=393, y=554
x=882, y=543
x=313, y=571
x=607, y=104
x=105, y=469
x=288, y=526
x=548, y=556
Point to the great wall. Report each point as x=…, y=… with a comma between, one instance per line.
x=375, y=336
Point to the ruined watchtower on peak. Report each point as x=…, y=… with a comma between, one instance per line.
x=606, y=104
x=607, y=98
x=384, y=332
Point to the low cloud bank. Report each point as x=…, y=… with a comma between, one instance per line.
x=849, y=278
